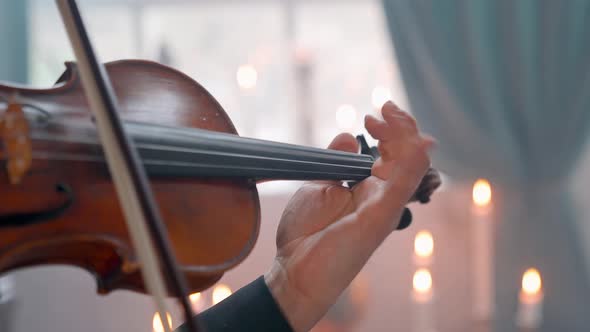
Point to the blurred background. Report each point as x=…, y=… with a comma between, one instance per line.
x=503, y=85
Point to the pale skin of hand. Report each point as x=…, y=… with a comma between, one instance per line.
x=328, y=232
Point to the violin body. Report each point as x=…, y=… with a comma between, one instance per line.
x=64, y=210
x=58, y=204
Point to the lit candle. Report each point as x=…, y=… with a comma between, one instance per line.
x=530, y=306
x=220, y=292
x=197, y=302
x=422, y=295
x=423, y=249
x=157, y=322
x=247, y=76
x=482, y=245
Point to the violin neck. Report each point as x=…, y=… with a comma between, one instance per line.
x=172, y=151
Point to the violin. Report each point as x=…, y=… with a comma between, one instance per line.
x=59, y=204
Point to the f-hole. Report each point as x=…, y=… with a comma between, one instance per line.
x=36, y=217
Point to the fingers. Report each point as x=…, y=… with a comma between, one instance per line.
x=378, y=129
x=394, y=130
x=405, y=174
x=395, y=123
x=398, y=119
x=343, y=142
x=429, y=142
x=404, y=160
x=392, y=190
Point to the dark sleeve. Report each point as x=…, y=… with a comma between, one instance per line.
x=251, y=308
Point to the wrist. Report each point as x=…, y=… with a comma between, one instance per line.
x=299, y=315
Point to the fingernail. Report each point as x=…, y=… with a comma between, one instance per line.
x=392, y=104
x=388, y=109
x=431, y=143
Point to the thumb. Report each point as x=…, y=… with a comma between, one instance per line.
x=344, y=142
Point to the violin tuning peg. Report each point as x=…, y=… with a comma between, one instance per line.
x=406, y=220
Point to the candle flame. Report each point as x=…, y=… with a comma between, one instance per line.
x=422, y=281
x=423, y=244
x=247, y=76
x=157, y=322
x=531, y=282
x=220, y=292
x=194, y=297
x=482, y=192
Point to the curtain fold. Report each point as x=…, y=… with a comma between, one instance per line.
x=14, y=38
x=504, y=87
x=14, y=63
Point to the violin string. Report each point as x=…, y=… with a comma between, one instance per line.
x=186, y=136
x=186, y=150
x=212, y=169
x=197, y=133
x=350, y=163
x=99, y=158
x=348, y=159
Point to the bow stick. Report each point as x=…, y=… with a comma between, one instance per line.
x=131, y=183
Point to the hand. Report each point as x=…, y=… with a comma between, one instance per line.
x=328, y=232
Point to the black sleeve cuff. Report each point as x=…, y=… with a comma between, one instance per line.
x=251, y=308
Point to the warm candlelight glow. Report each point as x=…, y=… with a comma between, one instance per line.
x=482, y=230
x=423, y=244
x=422, y=281
x=195, y=297
x=530, y=300
x=157, y=322
x=247, y=76
x=220, y=292
x=482, y=192
x=422, y=301
x=380, y=95
x=346, y=117
x=531, y=282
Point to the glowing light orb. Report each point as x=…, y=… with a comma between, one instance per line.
x=195, y=297
x=531, y=281
x=247, y=76
x=157, y=322
x=482, y=192
x=423, y=244
x=422, y=281
x=220, y=292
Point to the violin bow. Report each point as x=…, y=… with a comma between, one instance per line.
x=131, y=183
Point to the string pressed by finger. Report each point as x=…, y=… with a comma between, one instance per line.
x=343, y=142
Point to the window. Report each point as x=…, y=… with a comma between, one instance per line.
x=316, y=65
